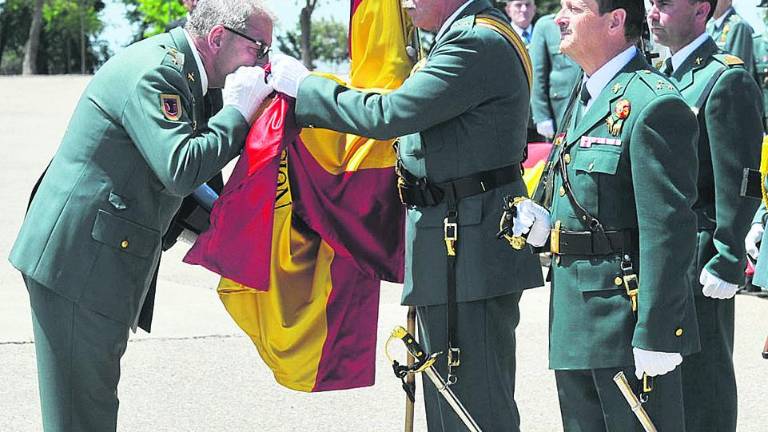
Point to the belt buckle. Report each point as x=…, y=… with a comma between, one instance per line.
x=554, y=239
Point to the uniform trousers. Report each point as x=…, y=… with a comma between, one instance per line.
x=590, y=401
x=486, y=377
x=78, y=363
x=709, y=380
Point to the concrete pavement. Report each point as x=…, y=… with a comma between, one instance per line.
x=197, y=372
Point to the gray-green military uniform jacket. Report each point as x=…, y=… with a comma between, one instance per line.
x=93, y=231
x=734, y=36
x=731, y=132
x=631, y=161
x=462, y=113
x=554, y=73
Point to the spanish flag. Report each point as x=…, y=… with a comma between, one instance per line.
x=309, y=224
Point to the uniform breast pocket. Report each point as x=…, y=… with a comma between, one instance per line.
x=593, y=171
x=124, y=235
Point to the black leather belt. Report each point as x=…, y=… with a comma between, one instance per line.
x=590, y=243
x=421, y=193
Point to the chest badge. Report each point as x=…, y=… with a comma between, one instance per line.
x=620, y=113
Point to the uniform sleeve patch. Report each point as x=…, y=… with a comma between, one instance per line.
x=171, y=106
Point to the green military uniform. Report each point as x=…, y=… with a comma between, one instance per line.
x=137, y=143
x=464, y=112
x=760, y=52
x=628, y=159
x=554, y=73
x=709, y=383
x=734, y=36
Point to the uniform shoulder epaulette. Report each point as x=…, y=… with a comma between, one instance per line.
x=174, y=58
x=656, y=81
x=728, y=60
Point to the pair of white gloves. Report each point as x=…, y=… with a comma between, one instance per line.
x=246, y=88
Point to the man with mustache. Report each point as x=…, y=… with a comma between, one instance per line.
x=461, y=118
x=617, y=195
x=728, y=105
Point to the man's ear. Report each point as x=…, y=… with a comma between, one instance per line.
x=618, y=19
x=702, y=10
x=216, y=38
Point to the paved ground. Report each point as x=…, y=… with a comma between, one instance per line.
x=197, y=372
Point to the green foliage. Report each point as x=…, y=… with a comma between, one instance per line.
x=59, y=50
x=329, y=41
x=153, y=15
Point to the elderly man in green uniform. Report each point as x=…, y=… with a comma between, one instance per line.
x=732, y=33
x=137, y=143
x=554, y=76
x=461, y=120
x=617, y=196
x=728, y=106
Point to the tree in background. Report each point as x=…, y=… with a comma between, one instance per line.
x=66, y=42
x=152, y=16
x=29, y=66
x=328, y=43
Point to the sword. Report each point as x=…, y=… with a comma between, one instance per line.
x=425, y=364
x=634, y=403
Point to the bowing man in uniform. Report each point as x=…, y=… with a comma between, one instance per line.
x=137, y=143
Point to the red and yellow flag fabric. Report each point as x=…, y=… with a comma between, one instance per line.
x=309, y=224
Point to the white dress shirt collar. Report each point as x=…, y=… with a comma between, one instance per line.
x=598, y=80
x=198, y=61
x=451, y=19
x=679, y=57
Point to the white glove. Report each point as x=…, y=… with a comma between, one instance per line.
x=654, y=363
x=531, y=219
x=714, y=287
x=287, y=75
x=754, y=236
x=546, y=128
x=245, y=89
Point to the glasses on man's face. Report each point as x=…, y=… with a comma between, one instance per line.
x=261, y=46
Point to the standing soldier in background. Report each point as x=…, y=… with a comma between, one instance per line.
x=554, y=77
x=461, y=122
x=619, y=188
x=731, y=33
x=521, y=14
x=728, y=105
x=137, y=143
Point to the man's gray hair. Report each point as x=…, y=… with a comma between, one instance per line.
x=229, y=13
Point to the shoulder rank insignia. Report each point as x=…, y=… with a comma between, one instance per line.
x=171, y=106
x=731, y=60
x=616, y=120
